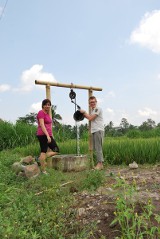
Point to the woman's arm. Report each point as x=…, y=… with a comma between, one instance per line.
x=41, y=122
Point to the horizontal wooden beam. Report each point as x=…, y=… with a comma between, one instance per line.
x=67, y=85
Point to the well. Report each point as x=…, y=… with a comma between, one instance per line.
x=70, y=162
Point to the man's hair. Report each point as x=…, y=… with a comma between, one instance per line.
x=92, y=98
x=46, y=101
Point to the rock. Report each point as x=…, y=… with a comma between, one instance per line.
x=21, y=174
x=106, y=214
x=27, y=160
x=81, y=211
x=31, y=170
x=133, y=165
x=17, y=167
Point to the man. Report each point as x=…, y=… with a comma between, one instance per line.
x=97, y=129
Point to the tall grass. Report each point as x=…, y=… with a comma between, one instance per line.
x=16, y=135
x=116, y=150
x=124, y=150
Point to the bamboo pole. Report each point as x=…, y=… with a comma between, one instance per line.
x=67, y=85
x=90, y=93
x=48, y=96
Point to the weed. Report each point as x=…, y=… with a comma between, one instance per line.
x=134, y=220
x=93, y=180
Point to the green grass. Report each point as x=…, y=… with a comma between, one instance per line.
x=37, y=208
x=116, y=151
x=135, y=222
x=124, y=150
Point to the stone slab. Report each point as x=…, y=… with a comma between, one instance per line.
x=67, y=163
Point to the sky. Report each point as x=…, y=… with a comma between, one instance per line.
x=110, y=44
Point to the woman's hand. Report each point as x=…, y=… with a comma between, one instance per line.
x=49, y=139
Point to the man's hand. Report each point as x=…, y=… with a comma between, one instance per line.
x=83, y=111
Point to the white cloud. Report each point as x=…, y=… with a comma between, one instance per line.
x=147, y=112
x=158, y=76
x=1, y=10
x=4, y=87
x=147, y=34
x=99, y=100
x=110, y=111
x=35, y=107
x=34, y=73
x=110, y=94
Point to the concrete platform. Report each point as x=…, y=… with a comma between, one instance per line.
x=67, y=163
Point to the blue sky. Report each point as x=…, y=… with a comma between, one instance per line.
x=111, y=44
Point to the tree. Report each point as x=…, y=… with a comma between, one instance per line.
x=147, y=125
x=31, y=118
x=28, y=119
x=108, y=127
x=124, y=123
x=55, y=117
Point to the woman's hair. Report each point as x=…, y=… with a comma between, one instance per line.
x=46, y=101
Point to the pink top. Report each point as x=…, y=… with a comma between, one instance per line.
x=47, y=122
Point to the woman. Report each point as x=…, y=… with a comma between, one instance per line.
x=45, y=136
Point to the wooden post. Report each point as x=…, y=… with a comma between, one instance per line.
x=71, y=86
x=48, y=96
x=90, y=135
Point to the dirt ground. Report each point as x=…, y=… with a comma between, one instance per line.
x=99, y=207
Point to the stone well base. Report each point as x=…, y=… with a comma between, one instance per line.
x=69, y=162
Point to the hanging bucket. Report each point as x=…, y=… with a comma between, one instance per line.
x=78, y=116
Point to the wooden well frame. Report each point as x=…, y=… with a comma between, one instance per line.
x=72, y=86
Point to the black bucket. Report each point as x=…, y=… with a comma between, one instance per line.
x=78, y=116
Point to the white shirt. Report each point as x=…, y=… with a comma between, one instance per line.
x=97, y=124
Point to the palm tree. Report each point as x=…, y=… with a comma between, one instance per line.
x=55, y=117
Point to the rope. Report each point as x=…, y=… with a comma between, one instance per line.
x=3, y=9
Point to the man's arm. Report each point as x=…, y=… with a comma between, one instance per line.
x=88, y=116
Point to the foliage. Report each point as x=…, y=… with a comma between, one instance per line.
x=124, y=124
x=28, y=119
x=117, y=150
x=14, y=135
x=147, y=125
x=135, y=133
x=31, y=118
x=37, y=208
x=124, y=150
x=134, y=220
x=55, y=117
x=93, y=180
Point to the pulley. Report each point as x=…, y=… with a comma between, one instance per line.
x=77, y=116
x=72, y=94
